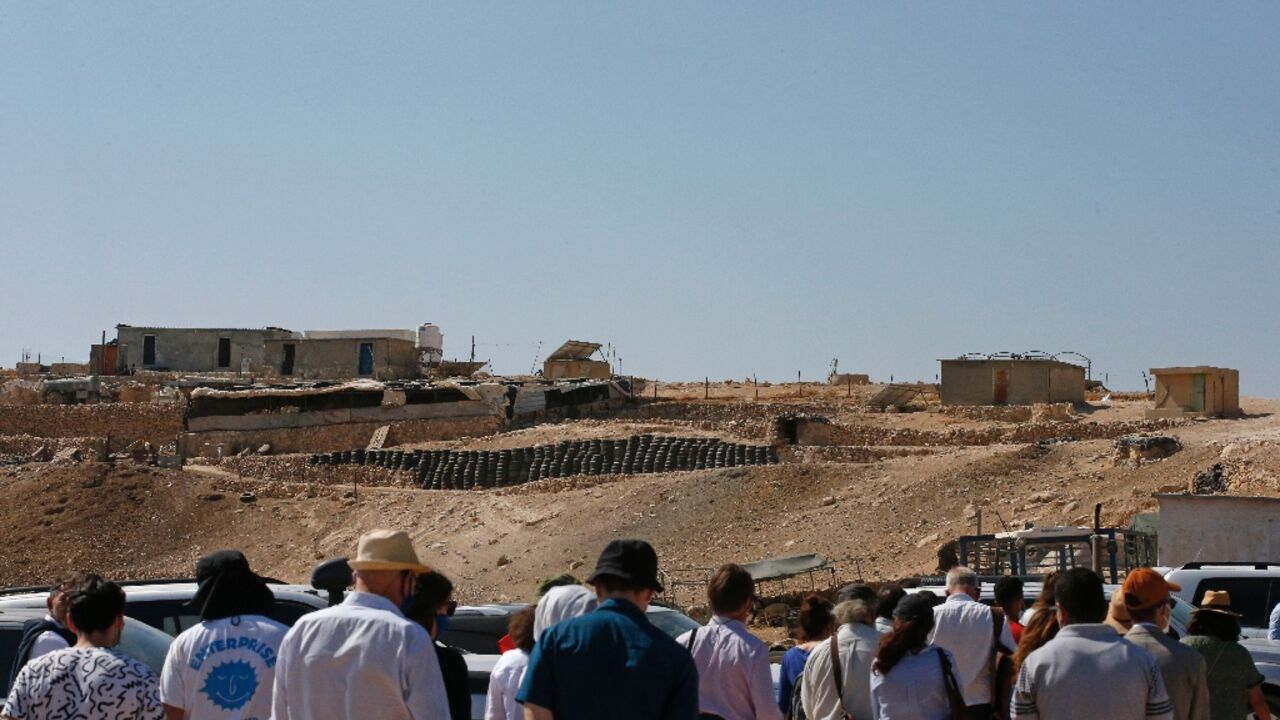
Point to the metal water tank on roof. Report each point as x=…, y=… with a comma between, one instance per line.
x=430, y=344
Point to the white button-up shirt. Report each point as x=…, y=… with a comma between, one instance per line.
x=858, y=644
x=734, y=680
x=47, y=641
x=361, y=660
x=963, y=626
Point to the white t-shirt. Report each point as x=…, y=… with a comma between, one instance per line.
x=47, y=641
x=504, y=681
x=84, y=683
x=223, y=669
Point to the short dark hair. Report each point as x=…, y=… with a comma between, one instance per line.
x=430, y=591
x=1080, y=595
x=816, y=617
x=887, y=599
x=95, y=604
x=1007, y=590
x=1214, y=624
x=730, y=588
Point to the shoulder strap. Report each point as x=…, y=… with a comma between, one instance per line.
x=997, y=626
x=954, y=697
x=837, y=675
x=692, y=635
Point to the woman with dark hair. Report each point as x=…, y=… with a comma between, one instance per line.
x=887, y=598
x=1041, y=623
x=912, y=679
x=508, y=672
x=1235, y=685
x=816, y=624
x=431, y=607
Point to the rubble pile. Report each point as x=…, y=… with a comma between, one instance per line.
x=1019, y=434
x=467, y=469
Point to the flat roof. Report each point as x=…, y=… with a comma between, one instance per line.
x=1191, y=370
x=1010, y=360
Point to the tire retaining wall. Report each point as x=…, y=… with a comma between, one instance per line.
x=468, y=469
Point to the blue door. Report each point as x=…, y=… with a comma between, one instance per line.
x=366, y=358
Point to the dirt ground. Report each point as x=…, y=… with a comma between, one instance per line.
x=874, y=520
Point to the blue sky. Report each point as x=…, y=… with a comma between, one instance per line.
x=716, y=189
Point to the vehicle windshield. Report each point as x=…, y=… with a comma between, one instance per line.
x=672, y=622
x=144, y=643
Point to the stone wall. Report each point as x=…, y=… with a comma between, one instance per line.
x=158, y=423
x=328, y=438
x=818, y=433
x=25, y=446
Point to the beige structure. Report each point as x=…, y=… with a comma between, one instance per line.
x=341, y=358
x=1218, y=528
x=1196, y=391
x=1010, y=381
x=573, y=360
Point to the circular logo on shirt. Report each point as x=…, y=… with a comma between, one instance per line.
x=231, y=684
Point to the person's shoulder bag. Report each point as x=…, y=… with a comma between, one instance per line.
x=954, y=697
x=1002, y=669
x=837, y=675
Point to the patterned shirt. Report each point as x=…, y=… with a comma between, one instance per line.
x=85, y=684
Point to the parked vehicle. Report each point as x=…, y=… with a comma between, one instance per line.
x=1254, y=589
x=138, y=640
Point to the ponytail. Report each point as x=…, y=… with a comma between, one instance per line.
x=907, y=636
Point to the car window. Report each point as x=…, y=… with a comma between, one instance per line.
x=1249, y=596
x=674, y=624
x=10, y=637
x=287, y=612
x=144, y=643
x=168, y=616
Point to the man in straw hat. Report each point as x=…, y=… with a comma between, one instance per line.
x=612, y=663
x=362, y=658
x=1148, y=602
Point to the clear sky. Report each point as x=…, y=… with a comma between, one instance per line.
x=716, y=188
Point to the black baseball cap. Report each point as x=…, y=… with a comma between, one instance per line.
x=914, y=608
x=632, y=561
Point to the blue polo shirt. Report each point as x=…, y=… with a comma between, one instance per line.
x=612, y=663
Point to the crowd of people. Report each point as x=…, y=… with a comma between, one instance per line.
x=588, y=651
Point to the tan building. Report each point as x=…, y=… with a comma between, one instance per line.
x=1010, y=381
x=573, y=360
x=341, y=358
x=1202, y=390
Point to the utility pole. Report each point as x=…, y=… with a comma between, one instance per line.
x=473, y=349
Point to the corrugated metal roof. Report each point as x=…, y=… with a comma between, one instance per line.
x=574, y=350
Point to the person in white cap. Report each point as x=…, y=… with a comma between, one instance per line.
x=363, y=658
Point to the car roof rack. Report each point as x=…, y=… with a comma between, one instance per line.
x=1200, y=565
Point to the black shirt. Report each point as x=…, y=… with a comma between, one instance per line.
x=457, y=683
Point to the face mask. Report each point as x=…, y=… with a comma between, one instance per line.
x=442, y=625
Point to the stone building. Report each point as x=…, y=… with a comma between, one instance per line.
x=193, y=349
x=341, y=357
x=1011, y=381
x=1201, y=390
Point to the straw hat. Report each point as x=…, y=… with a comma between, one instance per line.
x=1218, y=601
x=386, y=550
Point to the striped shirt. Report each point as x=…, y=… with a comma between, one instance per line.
x=1089, y=671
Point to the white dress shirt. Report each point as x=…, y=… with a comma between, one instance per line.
x=47, y=641
x=734, y=680
x=504, y=682
x=360, y=660
x=963, y=627
x=858, y=644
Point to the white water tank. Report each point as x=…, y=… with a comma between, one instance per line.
x=430, y=344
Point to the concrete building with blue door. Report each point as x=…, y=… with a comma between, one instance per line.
x=340, y=355
x=1196, y=391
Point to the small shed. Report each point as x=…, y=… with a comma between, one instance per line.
x=1201, y=390
x=573, y=360
x=1010, y=381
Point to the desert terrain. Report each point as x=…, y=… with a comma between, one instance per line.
x=877, y=511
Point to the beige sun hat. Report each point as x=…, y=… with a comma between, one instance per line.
x=387, y=550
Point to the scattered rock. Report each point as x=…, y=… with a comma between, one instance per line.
x=927, y=540
x=1073, y=505
x=1041, y=497
x=265, y=449
x=1211, y=481
x=1145, y=448
x=211, y=497
x=829, y=500
x=503, y=560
